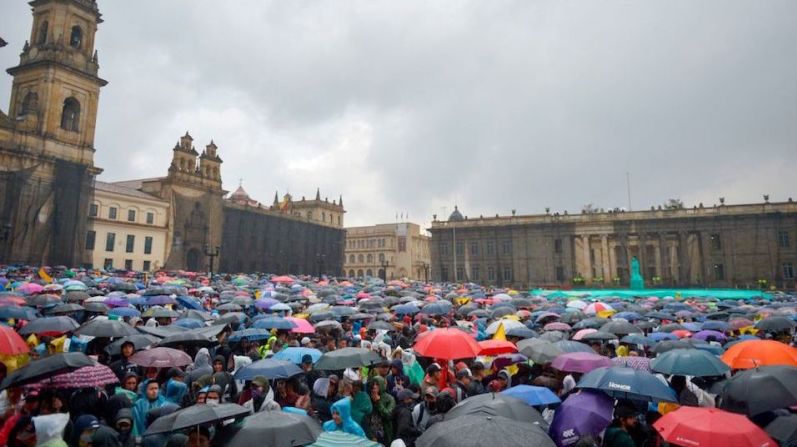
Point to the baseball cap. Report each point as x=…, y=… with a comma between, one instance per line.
x=431, y=391
x=433, y=368
x=465, y=372
x=307, y=358
x=406, y=394
x=305, y=341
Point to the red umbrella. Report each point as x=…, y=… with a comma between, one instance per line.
x=708, y=427
x=161, y=358
x=85, y=377
x=496, y=347
x=11, y=343
x=285, y=279
x=446, y=344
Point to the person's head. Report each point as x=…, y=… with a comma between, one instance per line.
x=176, y=374
x=342, y=343
x=85, y=426
x=433, y=371
x=477, y=369
x=464, y=376
x=130, y=382
x=396, y=368
x=406, y=396
x=333, y=385
x=124, y=420
x=307, y=362
x=128, y=349
x=430, y=397
x=199, y=437
x=625, y=416
x=330, y=344
x=259, y=385
x=151, y=373
x=152, y=390
x=31, y=404
x=383, y=369
x=214, y=395
x=218, y=363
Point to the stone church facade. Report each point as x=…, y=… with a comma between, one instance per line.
x=47, y=174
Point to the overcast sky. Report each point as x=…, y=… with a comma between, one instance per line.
x=412, y=106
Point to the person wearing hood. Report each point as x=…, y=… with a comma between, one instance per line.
x=128, y=387
x=105, y=436
x=50, y=429
x=240, y=361
x=175, y=391
x=123, y=366
x=402, y=417
x=200, y=367
x=123, y=423
x=320, y=399
x=224, y=379
x=342, y=420
x=259, y=396
x=380, y=422
x=396, y=379
x=151, y=398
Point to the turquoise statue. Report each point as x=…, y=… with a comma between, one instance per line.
x=637, y=281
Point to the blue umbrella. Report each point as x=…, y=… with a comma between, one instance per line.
x=406, y=309
x=692, y=326
x=189, y=323
x=294, y=355
x=716, y=325
x=268, y=368
x=522, y=332
x=18, y=313
x=250, y=334
x=533, y=395
x=573, y=346
x=689, y=362
x=630, y=316
x=274, y=323
x=124, y=312
x=137, y=300
x=189, y=302
x=160, y=300
x=627, y=383
x=438, y=308
x=716, y=350
x=659, y=336
x=637, y=339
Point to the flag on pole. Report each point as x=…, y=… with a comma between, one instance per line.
x=43, y=275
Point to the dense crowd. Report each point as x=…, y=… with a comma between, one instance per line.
x=94, y=358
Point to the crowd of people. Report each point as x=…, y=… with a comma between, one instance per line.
x=395, y=363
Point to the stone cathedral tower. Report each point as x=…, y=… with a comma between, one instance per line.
x=47, y=138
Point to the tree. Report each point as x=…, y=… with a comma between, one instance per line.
x=674, y=204
x=589, y=209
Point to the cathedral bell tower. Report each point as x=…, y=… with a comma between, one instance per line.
x=56, y=86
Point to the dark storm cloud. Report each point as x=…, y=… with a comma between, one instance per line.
x=497, y=105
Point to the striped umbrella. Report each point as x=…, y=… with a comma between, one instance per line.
x=638, y=363
x=85, y=377
x=341, y=439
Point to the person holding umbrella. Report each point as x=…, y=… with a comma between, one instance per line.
x=617, y=434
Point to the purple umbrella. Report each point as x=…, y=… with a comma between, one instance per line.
x=581, y=414
x=638, y=363
x=504, y=360
x=160, y=300
x=705, y=334
x=265, y=303
x=582, y=362
x=116, y=301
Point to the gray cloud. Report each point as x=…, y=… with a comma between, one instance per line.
x=411, y=106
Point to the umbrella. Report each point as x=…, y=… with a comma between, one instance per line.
x=140, y=341
x=557, y=326
x=302, y=326
x=277, y=429
x=11, y=343
x=47, y=367
x=98, y=308
x=106, y=328
x=783, y=429
x=125, y=312
x=706, y=334
x=637, y=339
x=539, y=351
x=160, y=312
x=477, y=430
x=753, y=353
x=406, y=309
x=348, y=358
x=274, y=323
x=598, y=336
x=496, y=347
x=229, y=307
x=86, y=377
x=595, y=308
x=521, y=332
x=620, y=327
x=49, y=326
x=161, y=357
x=532, y=395
x=627, y=383
x=585, y=413
x=581, y=362
x=438, y=308
x=43, y=300
x=251, y=334
x=502, y=405
x=775, y=324
x=18, y=313
x=508, y=324
x=186, y=338
x=160, y=300
x=380, y=325
x=195, y=415
x=573, y=346
x=689, y=362
x=268, y=368
x=710, y=427
x=342, y=439
x=446, y=344
x=188, y=323
x=66, y=308
x=635, y=362
x=294, y=355
x=759, y=390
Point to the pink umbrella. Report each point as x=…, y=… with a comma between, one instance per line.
x=557, y=326
x=580, y=334
x=283, y=279
x=31, y=288
x=302, y=326
x=85, y=377
x=161, y=358
x=582, y=362
x=634, y=362
x=595, y=308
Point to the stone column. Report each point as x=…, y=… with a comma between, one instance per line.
x=587, y=257
x=607, y=272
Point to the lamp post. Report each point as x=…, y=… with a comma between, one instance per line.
x=384, y=265
x=211, y=253
x=5, y=238
x=425, y=266
x=319, y=259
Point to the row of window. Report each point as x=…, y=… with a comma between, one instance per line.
x=475, y=274
x=323, y=217
x=110, y=242
x=784, y=241
x=787, y=271
x=475, y=248
x=369, y=258
x=113, y=214
x=146, y=266
x=366, y=243
x=75, y=36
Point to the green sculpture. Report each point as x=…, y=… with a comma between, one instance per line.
x=637, y=281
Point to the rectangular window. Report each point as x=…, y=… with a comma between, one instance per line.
x=474, y=248
x=560, y=274
x=112, y=213
x=460, y=249
x=107, y=264
x=507, y=274
x=91, y=236
x=716, y=242
x=444, y=274
x=110, y=241
x=131, y=242
x=128, y=264
x=719, y=272
x=475, y=273
x=460, y=274
x=94, y=210
x=490, y=273
x=490, y=247
x=150, y=218
x=443, y=248
x=131, y=215
x=788, y=270
x=557, y=246
x=146, y=266
x=402, y=244
x=506, y=248
x=148, y=245
x=783, y=239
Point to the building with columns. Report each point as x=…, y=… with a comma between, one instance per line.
x=717, y=246
x=387, y=251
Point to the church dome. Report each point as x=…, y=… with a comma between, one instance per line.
x=240, y=195
x=456, y=216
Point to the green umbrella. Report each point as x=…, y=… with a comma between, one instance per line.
x=689, y=362
x=342, y=439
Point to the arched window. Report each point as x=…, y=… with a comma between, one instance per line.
x=309, y=215
x=359, y=273
x=360, y=258
x=369, y=272
x=70, y=115
x=42, y=39
x=370, y=258
x=351, y=273
x=30, y=104
x=323, y=216
x=351, y=259
x=76, y=38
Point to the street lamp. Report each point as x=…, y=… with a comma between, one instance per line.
x=425, y=266
x=211, y=254
x=384, y=265
x=320, y=257
x=5, y=237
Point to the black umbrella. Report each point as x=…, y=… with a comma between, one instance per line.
x=761, y=389
x=493, y=404
x=49, y=325
x=186, y=338
x=347, y=358
x=600, y=336
x=477, y=430
x=620, y=327
x=38, y=370
x=380, y=325
x=783, y=429
x=43, y=300
x=96, y=307
x=591, y=323
x=668, y=345
x=276, y=429
x=775, y=324
x=195, y=415
x=66, y=309
x=106, y=328
x=140, y=341
x=76, y=296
